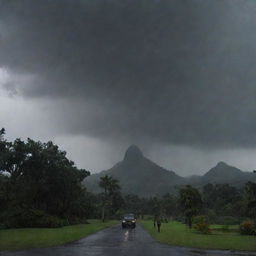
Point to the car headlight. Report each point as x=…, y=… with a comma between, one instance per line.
x=133, y=221
x=123, y=221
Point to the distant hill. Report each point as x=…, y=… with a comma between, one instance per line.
x=139, y=175
x=223, y=173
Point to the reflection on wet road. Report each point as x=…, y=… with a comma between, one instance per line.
x=116, y=241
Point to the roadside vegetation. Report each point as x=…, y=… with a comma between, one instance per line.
x=26, y=238
x=41, y=188
x=178, y=234
x=197, y=215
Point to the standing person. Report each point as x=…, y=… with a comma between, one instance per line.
x=158, y=222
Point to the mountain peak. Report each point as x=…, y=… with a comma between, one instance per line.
x=133, y=153
x=222, y=173
x=221, y=164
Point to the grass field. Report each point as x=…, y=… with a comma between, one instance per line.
x=18, y=239
x=178, y=234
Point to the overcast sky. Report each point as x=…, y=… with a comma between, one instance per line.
x=175, y=77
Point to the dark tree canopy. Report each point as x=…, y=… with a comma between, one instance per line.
x=40, y=176
x=190, y=202
x=251, y=199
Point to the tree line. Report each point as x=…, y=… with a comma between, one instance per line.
x=221, y=203
x=41, y=187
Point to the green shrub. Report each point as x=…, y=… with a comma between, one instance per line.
x=74, y=220
x=21, y=218
x=247, y=227
x=203, y=228
x=51, y=222
x=201, y=224
x=18, y=218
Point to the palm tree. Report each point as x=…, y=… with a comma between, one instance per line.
x=110, y=187
x=105, y=182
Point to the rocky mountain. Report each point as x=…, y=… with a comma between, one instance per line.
x=139, y=175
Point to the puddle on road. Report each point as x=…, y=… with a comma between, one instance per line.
x=126, y=235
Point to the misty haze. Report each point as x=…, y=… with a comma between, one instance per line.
x=133, y=116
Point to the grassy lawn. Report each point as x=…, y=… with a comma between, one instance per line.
x=18, y=239
x=175, y=233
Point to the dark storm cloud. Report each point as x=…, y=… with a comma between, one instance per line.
x=173, y=71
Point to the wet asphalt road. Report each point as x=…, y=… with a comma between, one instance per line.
x=116, y=241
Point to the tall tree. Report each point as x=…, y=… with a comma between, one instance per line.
x=250, y=189
x=111, y=187
x=190, y=202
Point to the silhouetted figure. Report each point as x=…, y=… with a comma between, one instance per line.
x=158, y=222
x=155, y=217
